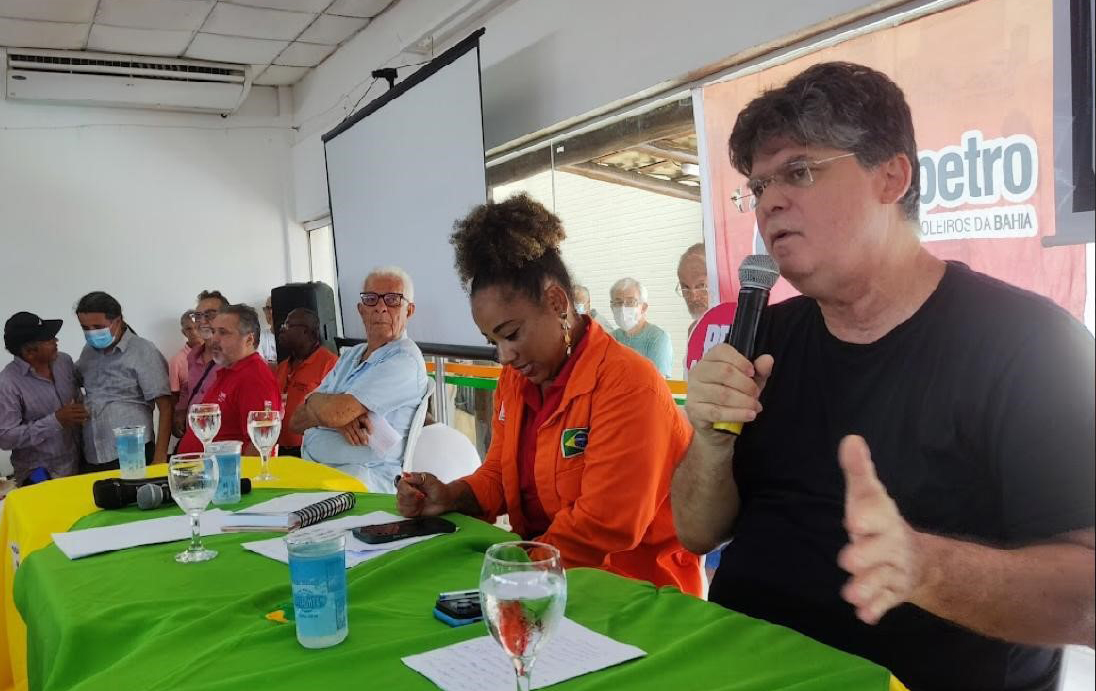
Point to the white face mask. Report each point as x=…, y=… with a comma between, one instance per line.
x=626, y=317
x=580, y=308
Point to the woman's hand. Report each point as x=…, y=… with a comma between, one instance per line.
x=422, y=494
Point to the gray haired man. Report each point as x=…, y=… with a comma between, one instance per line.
x=244, y=381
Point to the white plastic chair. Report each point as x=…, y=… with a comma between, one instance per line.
x=416, y=425
x=445, y=452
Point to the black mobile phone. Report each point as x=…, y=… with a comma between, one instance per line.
x=399, y=530
x=459, y=608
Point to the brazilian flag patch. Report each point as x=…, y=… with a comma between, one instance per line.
x=573, y=442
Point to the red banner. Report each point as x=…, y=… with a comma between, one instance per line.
x=979, y=81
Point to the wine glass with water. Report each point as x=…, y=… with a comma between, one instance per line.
x=205, y=421
x=524, y=592
x=264, y=426
x=192, y=478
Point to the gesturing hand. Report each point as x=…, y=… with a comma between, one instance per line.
x=882, y=554
x=357, y=431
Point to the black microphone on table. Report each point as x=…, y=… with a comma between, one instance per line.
x=116, y=493
x=757, y=274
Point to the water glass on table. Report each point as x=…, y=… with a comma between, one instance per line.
x=317, y=573
x=192, y=478
x=523, y=589
x=264, y=427
x=227, y=455
x=131, y=451
x=205, y=421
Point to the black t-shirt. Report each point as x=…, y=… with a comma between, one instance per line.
x=979, y=414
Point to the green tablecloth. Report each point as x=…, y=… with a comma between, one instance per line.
x=135, y=619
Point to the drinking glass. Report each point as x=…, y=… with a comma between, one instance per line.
x=205, y=421
x=192, y=478
x=130, y=442
x=264, y=426
x=524, y=591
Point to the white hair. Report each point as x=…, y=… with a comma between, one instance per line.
x=629, y=282
x=395, y=272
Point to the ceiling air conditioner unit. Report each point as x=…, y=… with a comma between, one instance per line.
x=125, y=81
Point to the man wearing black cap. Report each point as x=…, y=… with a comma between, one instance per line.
x=40, y=415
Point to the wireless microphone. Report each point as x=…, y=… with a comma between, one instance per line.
x=757, y=274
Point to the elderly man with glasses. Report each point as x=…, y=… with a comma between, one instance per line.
x=359, y=417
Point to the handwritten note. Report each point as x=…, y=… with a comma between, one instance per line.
x=480, y=664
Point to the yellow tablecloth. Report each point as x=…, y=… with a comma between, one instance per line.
x=32, y=514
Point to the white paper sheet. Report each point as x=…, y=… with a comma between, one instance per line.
x=384, y=436
x=480, y=664
x=289, y=502
x=356, y=550
x=83, y=543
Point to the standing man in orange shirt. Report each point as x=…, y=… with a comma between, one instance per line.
x=300, y=373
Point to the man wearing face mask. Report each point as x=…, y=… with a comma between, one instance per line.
x=40, y=411
x=243, y=382
x=177, y=366
x=380, y=381
x=123, y=376
x=582, y=306
x=628, y=298
x=200, y=367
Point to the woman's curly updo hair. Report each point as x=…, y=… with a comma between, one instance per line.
x=513, y=244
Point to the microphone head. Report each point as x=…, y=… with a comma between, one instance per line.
x=758, y=271
x=149, y=496
x=107, y=493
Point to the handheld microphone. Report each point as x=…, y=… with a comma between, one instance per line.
x=153, y=495
x=757, y=274
x=116, y=493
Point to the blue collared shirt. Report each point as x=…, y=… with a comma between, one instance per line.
x=391, y=383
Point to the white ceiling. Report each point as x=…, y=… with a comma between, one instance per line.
x=282, y=39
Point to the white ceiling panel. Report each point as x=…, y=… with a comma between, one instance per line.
x=70, y=11
x=251, y=51
x=331, y=31
x=280, y=75
x=358, y=8
x=251, y=22
x=114, y=39
x=175, y=15
x=291, y=5
x=303, y=55
x=21, y=33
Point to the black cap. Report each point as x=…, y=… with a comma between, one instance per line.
x=24, y=328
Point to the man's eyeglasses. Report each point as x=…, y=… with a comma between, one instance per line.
x=208, y=315
x=690, y=292
x=624, y=303
x=390, y=299
x=799, y=174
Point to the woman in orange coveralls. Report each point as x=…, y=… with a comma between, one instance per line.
x=586, y=435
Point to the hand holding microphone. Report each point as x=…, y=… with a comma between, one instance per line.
x=725, y=385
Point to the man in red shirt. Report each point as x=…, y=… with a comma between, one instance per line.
x=300, y=373
x=244, y=381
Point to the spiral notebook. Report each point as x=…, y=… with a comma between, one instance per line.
x=265, y=521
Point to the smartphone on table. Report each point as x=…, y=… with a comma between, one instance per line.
x=458, y=608
x=401, y=530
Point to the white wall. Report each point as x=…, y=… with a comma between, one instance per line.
x=150, y=207
x=543, y=62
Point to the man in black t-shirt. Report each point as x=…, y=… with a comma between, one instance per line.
x=914, y=483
